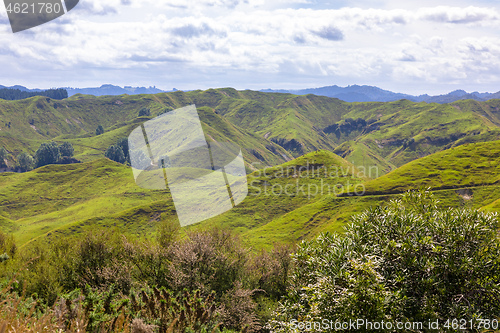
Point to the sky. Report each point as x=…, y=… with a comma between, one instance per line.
x=413, y=47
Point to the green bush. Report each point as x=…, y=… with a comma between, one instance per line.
x=25, y=162
x=212, y=260
x=407, y=261
x=66, y=149
x=101, y=272
x=144, y=112
x=99, y=130
x=48, y=153
x=115, y=153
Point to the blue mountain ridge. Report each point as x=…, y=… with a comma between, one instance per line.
x=356, y=93
x=352, y=93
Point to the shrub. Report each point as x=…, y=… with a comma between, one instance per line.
x=144, y=112
x=99, y=130
x=48, y=153
x=42, y=273
x=167, y=233
x=66, y=149
x=98, y=277
x=210, y=260
x=25, y=162
x=407, y=261
x=238, y=310
x=99, y=262
x=115, y=153
x=107, y=311
x=272, y=269
x=123, y=144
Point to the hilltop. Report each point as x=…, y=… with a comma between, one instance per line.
x=351, y=93
x=271, y=127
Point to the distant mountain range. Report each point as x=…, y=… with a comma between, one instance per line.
x=357, y=93
x=20, y=88
x=354, y=93
x=109, y=89
x=105, y=89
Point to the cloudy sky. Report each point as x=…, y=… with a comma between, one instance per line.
x=425, y=46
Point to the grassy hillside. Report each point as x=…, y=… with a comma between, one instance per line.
x=68, y=199
x=289, y=199
x=270, y=127
x=463, y=166
x=403, y=131
x=286, y=203
x=25, y=124
x=53, y=196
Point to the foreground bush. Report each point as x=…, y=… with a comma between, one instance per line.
x=205, y=281
x=90, y=311
x=406, y=262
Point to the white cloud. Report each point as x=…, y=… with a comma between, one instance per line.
x=243, y=40
x=458, y=15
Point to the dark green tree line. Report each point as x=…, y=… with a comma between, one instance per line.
x=16, y=94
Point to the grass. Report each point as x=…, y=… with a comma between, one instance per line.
x=64, y=200
x=53, y=196
x=67, y=200
x=463, y=166
x=253, y=120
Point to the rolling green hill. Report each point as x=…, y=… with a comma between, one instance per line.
x=25, y=124
x=270, y=127
x=53, y=196
x=67, y=199
x=286, y=203
x=339, y=147
x=464, y=166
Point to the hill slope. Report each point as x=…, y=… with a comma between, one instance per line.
x=286, y=203
x=70, y=198
x=463, y=166
x=271, y=127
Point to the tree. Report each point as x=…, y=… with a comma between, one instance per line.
x=99, y=130
x=48, y=153
x=115, y=153
x=123, y=144
x=3, y=157
x=66, y=149
x=25, y=162
x=145, y=112
x=165, y=110
x=119, y=152
x=16, y=94
x=407, y=261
